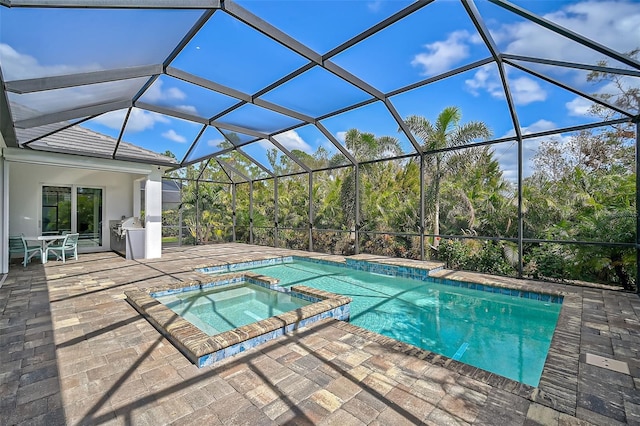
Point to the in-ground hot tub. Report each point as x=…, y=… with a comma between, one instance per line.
x=206, y=343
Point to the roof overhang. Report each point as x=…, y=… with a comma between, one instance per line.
x=18, y=155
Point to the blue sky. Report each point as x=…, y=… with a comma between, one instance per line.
x=433, y=40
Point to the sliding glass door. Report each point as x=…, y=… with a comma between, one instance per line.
x=89, y=216
x=70, y=209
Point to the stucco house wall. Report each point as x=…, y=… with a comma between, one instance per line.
x=25, y=192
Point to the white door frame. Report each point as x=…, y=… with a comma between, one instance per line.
x=74, y=211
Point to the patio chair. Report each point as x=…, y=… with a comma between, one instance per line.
x=18, y=245
x=69, y=244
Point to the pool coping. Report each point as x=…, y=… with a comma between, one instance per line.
x=404, y=268
x=554, y=389
x=202, y=349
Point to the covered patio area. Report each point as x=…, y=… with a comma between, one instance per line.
x=73, y=351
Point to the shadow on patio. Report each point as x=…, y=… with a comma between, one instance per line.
x=75, y=352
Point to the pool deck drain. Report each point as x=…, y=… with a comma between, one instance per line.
x=608, y=363
x=73, y=352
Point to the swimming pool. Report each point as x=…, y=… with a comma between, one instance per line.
x=506, y=335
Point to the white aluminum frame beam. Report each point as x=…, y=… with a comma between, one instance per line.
x=569, y=88
x=586, y=67
x=171, y=112
x=116, y=4
x=71, y=114
x=545, y=23
x=40, y=84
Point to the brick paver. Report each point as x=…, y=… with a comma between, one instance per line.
x=73, y=351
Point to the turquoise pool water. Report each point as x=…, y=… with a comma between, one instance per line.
x=506, y=335
x=225, y=308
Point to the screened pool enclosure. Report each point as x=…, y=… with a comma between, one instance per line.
x=494, y=136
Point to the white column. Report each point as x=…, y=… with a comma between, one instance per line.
x=153, y=215
x=4, y=215
x=137, y=206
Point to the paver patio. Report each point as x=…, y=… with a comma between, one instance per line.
x=73, y=351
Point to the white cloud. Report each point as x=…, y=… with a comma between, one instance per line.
x=374, y=6
x=139, y=119
x=175, y=93
x=539, y=126
x=443, y=55
x=159, y=95
x=524, y=90
x=341, y=136
x=265, y=144
x=113, y=119
x=508, y=157
x=292, y=140
x=615, y=24
x=20, y=66
x=215, y=142
x=156, y=93
x=485, y=78
x=189, y=109
x=173, y=136
x=579, y=107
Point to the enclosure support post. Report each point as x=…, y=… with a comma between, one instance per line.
x=276, y=243
x=197, y=239
x=356, y=170
x=180, y=222
x=251, y=212
x=520, y=216
x=637, y=203
x=233, y=209
x=421, y=226
x=310, y=211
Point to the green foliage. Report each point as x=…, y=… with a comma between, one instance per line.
x=481, y=256
x=455, y=254
x=582, y=188
x=492, y=260
x=548, y=261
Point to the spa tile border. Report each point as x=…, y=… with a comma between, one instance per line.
x=202, y=349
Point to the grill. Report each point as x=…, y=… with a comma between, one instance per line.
x=127, y=237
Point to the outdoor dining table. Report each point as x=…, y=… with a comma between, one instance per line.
x=45, y=241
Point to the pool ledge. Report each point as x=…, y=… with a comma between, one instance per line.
x=202, y=349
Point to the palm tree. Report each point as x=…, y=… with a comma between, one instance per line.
x=445, y=132
x=364, y=146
